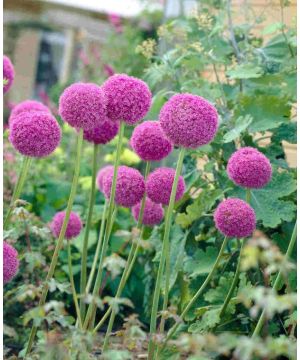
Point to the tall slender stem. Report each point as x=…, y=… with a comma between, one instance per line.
x=151, y=347
x=93, y=307
x=87, y=230
x=238, y=268
x=71, y=277
x=61, y=236
x=276, y=285
x=129, y=264
x=98, y=248
x=200, y=291
x=18, y=189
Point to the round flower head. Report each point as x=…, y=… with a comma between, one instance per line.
x=103, y=133
x=235, y=218
x=128, y=98
x=101, y=174
x=159, y=185
x=130, y=186
x=249, y=168
x=189, y=120
x=83, y=105
x=73, y=228
x=8, y=74
x=149, y=141
x=153, y=213
x=35, y=134
x=27, y=106
x=10, y=262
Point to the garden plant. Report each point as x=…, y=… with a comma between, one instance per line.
x=176, y=236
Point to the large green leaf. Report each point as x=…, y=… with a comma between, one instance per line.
x=241, y=124
x=201, y=262
x=200, y=206
x=245, y=71
x=268, y=111
x=267, y=202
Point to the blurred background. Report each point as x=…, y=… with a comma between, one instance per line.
x=56, y=42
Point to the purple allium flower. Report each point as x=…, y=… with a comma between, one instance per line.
x=235, y=218
x=8, y=74
x=103, y=133
x=159, y=185
x=35, y=134
x=83, y=105
x=128, y=98
x=149, y=141
x=130, y=186
x=27, y=106
x=101, y=174
x=10, y=262
x=73, y=228
x=189, y=120
x=249, y=168
x=153, y=212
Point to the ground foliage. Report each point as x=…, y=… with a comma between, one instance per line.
x=249, y=71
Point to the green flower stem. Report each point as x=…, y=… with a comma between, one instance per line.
x=60, y=238
x=200, y=291
x=234, y=281
x=98, y=248
x=93, y=307
x=276, y=285
x=129, y=264
x=71, y=277
x=238, y=268
x=18, y=189
x=87, y=230
x=164, y=255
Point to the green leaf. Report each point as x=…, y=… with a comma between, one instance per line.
x=287, y=132
x=200, y=206
x=269, y=29
x=209, y=320
x=241, y=124
x=268, y=111
x=267, y=202
x=202, y=262
x=245, y=71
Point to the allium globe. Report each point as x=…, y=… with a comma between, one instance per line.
x=149, y=141
x=130, y=186
x=10, y=262
x=8, y=74
x=235, y=218
x=27, y=106
x=73, y=228
x=101, y=174
x=249, y=168
x=128, y=98
x=103, y=133
x=189, y=120
x=153, y=212
x=83, y=105
x=35, y=134
x=159, y=185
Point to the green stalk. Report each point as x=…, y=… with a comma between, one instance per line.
x=93, y=307
x=18, y=189
x=234, y=281
x=238, y=268
x=164, y=255
x=60, y=238
x=200, y=291
x=71, y=277
x=129, y=264
x=276, y=285
x=98, y=248
x=87, y=230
